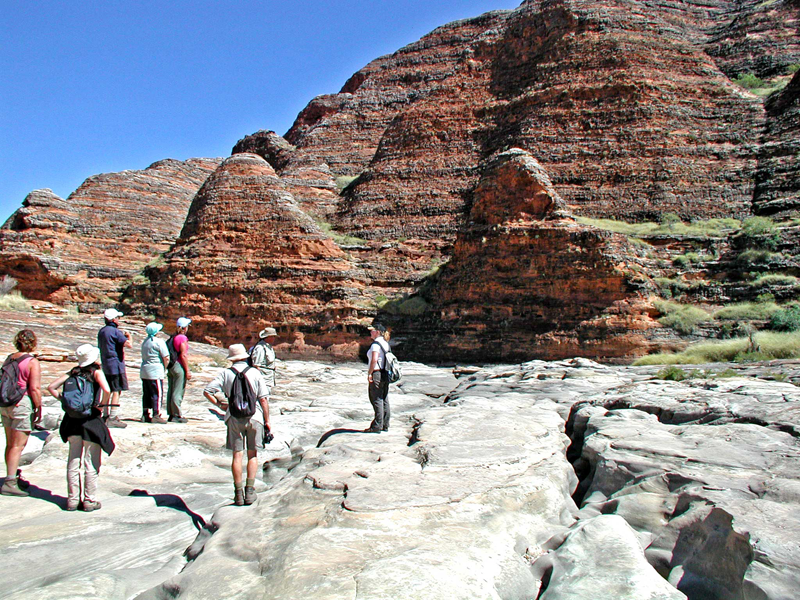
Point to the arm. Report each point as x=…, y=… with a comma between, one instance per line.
x=101, y=380
x=215, y=392
x=128, y=342
x=162, y=348
x=183, y=359
x=53, y=387
x=35, y=387
x=373, y=365
x=264, y=402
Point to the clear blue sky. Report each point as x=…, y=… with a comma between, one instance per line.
x=91, y=87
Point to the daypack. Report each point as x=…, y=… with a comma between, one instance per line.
x=10, y=391
x=77, y=397
x=173, y=353
x=251, y=362
x=390, y=364
x=242, y=400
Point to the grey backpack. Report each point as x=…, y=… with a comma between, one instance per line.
x=10, y=391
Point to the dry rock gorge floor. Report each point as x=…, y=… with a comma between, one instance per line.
x=549, y=480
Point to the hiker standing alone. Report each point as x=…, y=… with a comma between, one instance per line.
x=378, y=388
x=22, y=406
x=178, y=373
x=262, y=356
x=112, y=342
x=82, y=427
x=244, y=432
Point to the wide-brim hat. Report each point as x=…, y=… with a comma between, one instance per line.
x=267, y=332
x=153, y=328
x=87, y=355
x=111, y=313
x=237, y=352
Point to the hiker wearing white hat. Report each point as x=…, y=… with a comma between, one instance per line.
x=262, y=355
x=112, y=342
x=155, y=358
x=81, y=389
x=178, y=373
x=241, y=391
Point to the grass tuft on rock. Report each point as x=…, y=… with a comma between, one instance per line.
x=768, y=346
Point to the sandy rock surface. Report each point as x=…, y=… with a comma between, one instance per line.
x=547, y=479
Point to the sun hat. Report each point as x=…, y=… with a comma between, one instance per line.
x=237, y=352
x=153, y=328
x=267, y=332
x=87, y=354
x=111, y=313
x=183, y=322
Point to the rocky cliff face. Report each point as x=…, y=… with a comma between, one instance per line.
x=778, y=179
x=84, y=250
x=629, y=108
x=248, y=256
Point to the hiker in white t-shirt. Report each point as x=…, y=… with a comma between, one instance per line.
x=378, y=388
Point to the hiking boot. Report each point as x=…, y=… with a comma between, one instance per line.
x=238, y=496
x=72, y=505
x=11, y=488
x=178, y=420
x=115, y=422
x=90, y=505
x=145, y=419
x=159, y=420
x=249, y=494
x=372, y=430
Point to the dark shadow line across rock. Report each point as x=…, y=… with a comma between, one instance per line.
x=328, y=434
x=173, y=501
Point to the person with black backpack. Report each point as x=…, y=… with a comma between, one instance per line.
x=178, y=373
x=20, y=406
x=244, y=396
x=82, y=389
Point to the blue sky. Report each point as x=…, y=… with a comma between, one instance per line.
x=91, y=87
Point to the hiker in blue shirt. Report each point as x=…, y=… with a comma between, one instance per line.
x=112, y=342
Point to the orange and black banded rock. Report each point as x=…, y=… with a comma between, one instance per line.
x=84, y=250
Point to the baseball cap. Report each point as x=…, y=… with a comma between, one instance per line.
x=183, y=322
x=111, y=314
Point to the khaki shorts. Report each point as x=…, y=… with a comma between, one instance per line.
x=243, y=433
x=19, y=417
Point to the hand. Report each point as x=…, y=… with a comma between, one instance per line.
x=37, y=414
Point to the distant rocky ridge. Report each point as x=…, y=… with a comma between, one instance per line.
x=84, y=250
x=628, y=109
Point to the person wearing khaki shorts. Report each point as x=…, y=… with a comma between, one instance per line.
x=18, y=420
x=244, y=434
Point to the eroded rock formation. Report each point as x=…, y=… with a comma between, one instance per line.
x=249, y=256
x=85, y=250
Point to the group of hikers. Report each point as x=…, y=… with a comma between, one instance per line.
x=90, y=397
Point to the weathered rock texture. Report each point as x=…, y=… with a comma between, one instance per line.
x=629, y=107
x=526, y=279
x=249, y=256
x=778, y=178
x=85, y=249
x=542, y=480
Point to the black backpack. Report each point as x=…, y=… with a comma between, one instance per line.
x=242, y=400
x=173, y=354
x=77, y=396
x=10, y=391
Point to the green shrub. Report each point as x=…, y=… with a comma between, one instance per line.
x=792, y=69
x=749, y=81
x=770, y=346
x=411, y=307
x=771, y=280
x=760, y=232
x=14, y=301
x=672, y=373
x=757, y=258
x=669, y=220
x=786, y=318
x=746, y=311
x=682, y=317
x=343, y=181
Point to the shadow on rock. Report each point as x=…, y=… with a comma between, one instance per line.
x=173, y=501
x=328, y=434
x=47, y=495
